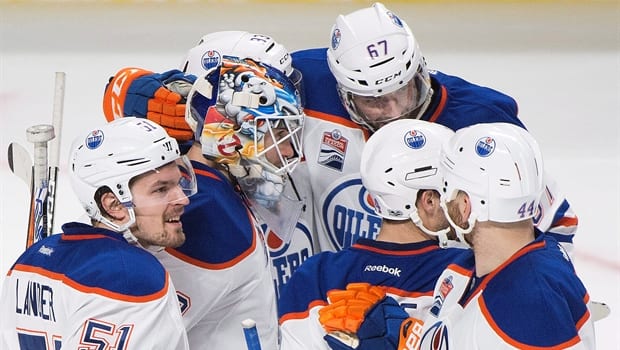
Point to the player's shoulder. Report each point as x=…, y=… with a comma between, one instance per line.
x=120, y=269
x=101, y=261
x=536, y=295
x=317, y=54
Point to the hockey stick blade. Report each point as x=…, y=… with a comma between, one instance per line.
x=20, y=164
x=599, y=310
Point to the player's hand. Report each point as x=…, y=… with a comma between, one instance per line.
x=362, y=317
x=160, y=97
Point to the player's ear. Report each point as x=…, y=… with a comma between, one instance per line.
x=112, y=207
x=464, y=204
x=429, y=200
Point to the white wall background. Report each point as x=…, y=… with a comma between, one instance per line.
x=560, y=60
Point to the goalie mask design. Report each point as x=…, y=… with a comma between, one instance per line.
x=235, y=105
x=380, y=70
x=212, y=47
x=245, y=116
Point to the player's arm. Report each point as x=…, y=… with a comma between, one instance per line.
x=555, y=215
x=160, y=97
x=363, y=317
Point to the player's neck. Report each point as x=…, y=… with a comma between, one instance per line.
x=494, y=243
x=401, y=232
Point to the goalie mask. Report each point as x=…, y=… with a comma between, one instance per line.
x=248, y=117
x=117, y=152
x=381, y=73
x=234, y=106
x=499, y=166
x=398, y=161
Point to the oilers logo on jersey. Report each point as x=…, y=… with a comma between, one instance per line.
x=348, y=214
x=286, y=257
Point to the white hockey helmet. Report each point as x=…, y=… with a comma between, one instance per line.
x=115, y=153
x=212, y=47
x=499, y=166
x=236, y=104
x=398, y=161
x=376, y=59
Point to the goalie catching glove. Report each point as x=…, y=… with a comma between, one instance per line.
x=363, y=317
x=160, y=97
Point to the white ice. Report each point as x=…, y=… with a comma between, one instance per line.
x=559, y=60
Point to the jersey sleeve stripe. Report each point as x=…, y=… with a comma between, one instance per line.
x=94, y=290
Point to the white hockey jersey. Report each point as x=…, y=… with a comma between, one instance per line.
x=222, y=272
x=87, y=288
x=333, y=144
x=533, y=301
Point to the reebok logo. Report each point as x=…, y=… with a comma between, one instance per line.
x=382, y=268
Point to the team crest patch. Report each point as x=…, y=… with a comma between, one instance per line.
x=211, y=59
x=444, y=289
x=94, y=139
x=415, y=139
x=485, y=146
x=333, y=150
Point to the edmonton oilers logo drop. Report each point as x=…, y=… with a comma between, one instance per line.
x=485, y=146
x=94, y=139
x=211, y=59
x=415, y=139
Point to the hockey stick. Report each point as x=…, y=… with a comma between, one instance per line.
x=599, y=310
x=39, y=135
x=54, y=155
x=20, y=163
x=251, y=334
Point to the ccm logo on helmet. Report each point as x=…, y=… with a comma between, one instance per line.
x=388, y=78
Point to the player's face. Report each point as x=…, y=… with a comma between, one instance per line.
x=283, y=150
x=159, y=202
x=457, y=209
x=380, y=110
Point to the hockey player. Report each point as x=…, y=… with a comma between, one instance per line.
x=96, y=285
x=517, y=289
x=162, y=98
x=247, y=119
x=399, y=169
x=373, y=72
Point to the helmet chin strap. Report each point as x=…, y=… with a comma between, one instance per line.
x=460, y=232
x=444, y=242
x=123, y=228
x=424, y=106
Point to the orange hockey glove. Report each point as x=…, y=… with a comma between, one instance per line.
x=160, y=97
x=362, y=317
